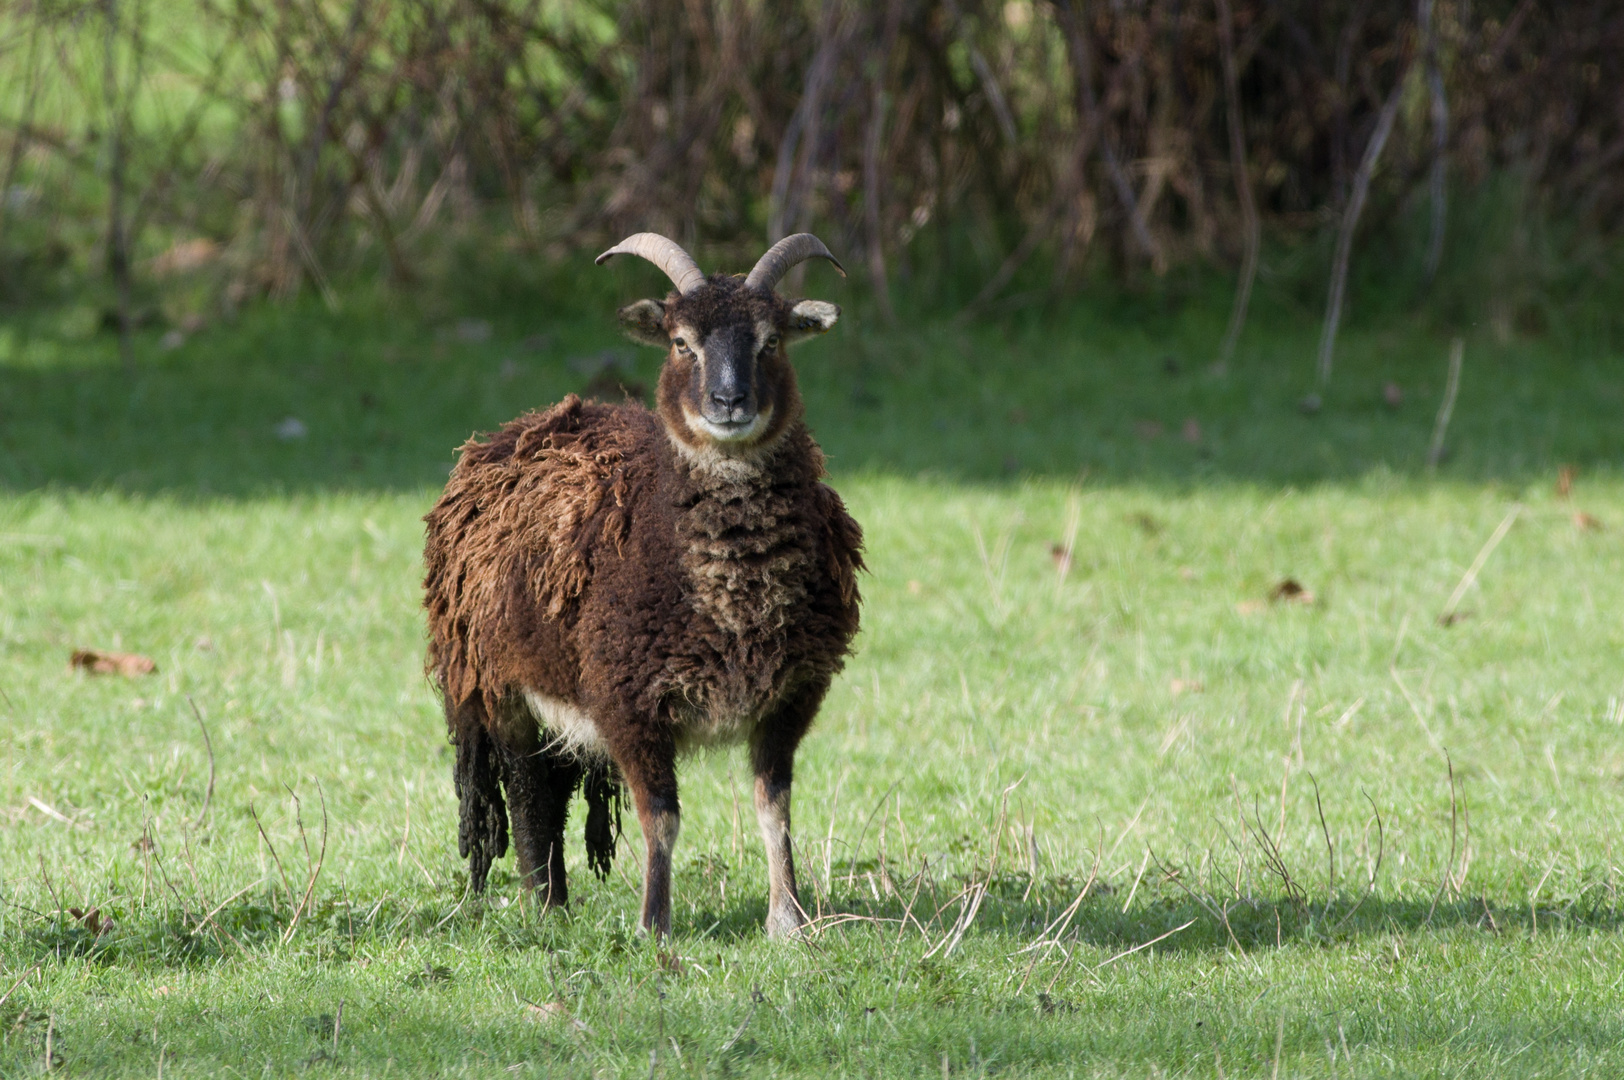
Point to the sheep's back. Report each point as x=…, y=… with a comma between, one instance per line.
x=509, y=544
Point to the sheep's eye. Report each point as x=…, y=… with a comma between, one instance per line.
x=772, y=341
x=681, y=343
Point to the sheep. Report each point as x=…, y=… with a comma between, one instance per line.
x=608, y=586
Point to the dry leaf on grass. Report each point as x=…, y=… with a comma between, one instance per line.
x=916, y=587
x=1061, y=554
x=1585, y=523
x=91, y=920
x=96, y=662
x=1186, y=686
x=1290, y=591
x=1250, y=607
x=1564, y=481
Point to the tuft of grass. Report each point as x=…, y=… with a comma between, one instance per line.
x=1087, y=801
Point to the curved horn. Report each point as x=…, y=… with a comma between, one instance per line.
x=677, y=264
x=772, y=266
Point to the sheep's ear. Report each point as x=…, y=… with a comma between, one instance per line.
x=809, y=318
x=644, y=323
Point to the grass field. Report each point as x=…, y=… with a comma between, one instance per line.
x=1117, y=814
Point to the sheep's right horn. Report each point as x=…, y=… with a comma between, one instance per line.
x=772, y=266
x=677, y=264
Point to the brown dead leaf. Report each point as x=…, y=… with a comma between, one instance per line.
x=1191, y=430
x=671, y=963
x=1585, y=523
x=143, y=845
x=96, y=662
x=163, y=991
x=1453, y=617
x=1149, y=525
x=1290, y=591
x=1148, y=429
x=1564, y=480
x=1187, y=686
x=915, y=587
x=91, y=920
x=1061, y=554
x=1250, y=607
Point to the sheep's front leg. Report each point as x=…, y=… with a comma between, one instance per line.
x=784, y=915
x=772, y=753
x=651, y=774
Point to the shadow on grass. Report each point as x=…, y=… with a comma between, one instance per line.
x=295, y=399
x=1175, y=923
x=1036, y=927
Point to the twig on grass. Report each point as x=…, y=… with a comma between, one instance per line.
x=1381, y=847
x=851, y=863
x=975, y=893
x=1449, y=868
x=315, y=865
x=738, y=1033
x=1273, y=860
x=1094, y=971
x=287, y=885
x=1217, y=911
x=1446, y=409
x=209, y=918
x=5, y=997
x=1146, y=945
x=1448, y=615
x=1330, y=851
x=208, y=744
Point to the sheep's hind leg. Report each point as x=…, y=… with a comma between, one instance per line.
x=482, y=834
x=649, y=766
x=539, y=784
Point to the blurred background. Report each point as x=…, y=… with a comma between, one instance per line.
x=186, y=157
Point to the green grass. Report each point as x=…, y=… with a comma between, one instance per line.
x=1135, y=727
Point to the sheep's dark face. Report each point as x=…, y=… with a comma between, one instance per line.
x=727, y=384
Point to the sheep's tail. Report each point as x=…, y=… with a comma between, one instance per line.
x=482, y=836
x=603, y=798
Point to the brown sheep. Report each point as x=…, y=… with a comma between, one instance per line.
x=608, y=586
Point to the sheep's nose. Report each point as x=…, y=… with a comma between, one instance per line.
x=728, y=400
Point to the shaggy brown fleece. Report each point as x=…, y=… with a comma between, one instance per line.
x=578, y=557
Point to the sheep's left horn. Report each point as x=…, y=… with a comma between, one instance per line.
x=772, y=266
x=665, y=253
